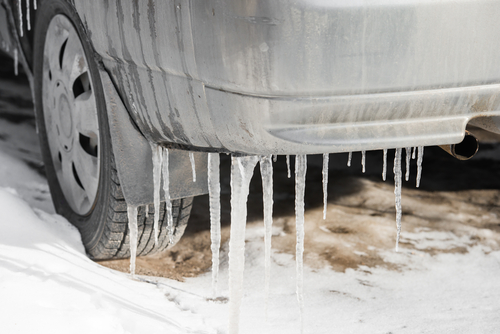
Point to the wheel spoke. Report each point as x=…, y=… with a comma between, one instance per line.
x=72, y=191
x=87, y=168
x=53, y=45
x=84, y=114
x=73, y=60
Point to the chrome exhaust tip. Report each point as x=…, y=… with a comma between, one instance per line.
x=464, y=150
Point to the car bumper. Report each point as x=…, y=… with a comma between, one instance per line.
x=305, y=76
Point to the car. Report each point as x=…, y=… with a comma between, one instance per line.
x=114, y=80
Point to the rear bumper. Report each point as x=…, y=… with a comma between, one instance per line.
x=304, y=76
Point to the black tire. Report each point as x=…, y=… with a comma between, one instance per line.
x=104, y=228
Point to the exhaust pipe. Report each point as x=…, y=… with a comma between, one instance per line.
x=465, y=149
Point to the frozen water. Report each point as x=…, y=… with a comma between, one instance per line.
x=266, y=170
x=300, y=185
x=363, y=160
x=16, y=62
x=326, y=158
x=157, y=162
x=413, y=154
x=146, y=208
x=397, y=192
x=133, y=234
x=275, y=157
x=288, y=166
x=34, y=4
x=166, y=191
x=241, y=173
x=419, y=164
x=28, y=23
x=193, y=166
x=384, y=169
x=20, y=17
x=349, y=159
x=215, y=228
x=408, y=160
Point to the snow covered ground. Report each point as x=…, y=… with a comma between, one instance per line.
x=445, y=279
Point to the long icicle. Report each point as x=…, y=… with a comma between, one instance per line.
x=16, y=62
x=166, y=192
x=288, y=173
x=215, y=228
x=133, y=234
x=300, y=185
x=397, y=192
x=20, y=17
x=349, y=159
x=266, y=171
x=193, y=166
x=384, y=169
x=420, y=159
x=408, y=160
x=157, y=163
x=241, y=174
x=34, y=4
x=28, y=21
x=363, y=160
x=413, y=154
x=326, y=158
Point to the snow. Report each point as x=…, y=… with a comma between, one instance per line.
x=52, y=287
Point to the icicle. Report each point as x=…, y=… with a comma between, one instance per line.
x=275, y=157
x=20, y=17
x=34, y=4
x=363, y=160
x=300, y=185
x=408, y=160
x=326, y=158
x=157, y=162
x=16, y=62
x=147, y=211
x=419, y=164
x=397, y=192
x=215, y=233
x=241, y=173
x=133, y=234
x=28, y=22
x=349, y=159
x=166, y=191
x=193, y=166
x=413, y=154
x=266, y=170
x=384, y=169
x=288, y=166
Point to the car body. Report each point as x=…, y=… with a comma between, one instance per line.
x=281, y=77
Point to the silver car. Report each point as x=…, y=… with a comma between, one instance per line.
x=111, y=79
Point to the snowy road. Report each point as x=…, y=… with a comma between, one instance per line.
x=445, y=279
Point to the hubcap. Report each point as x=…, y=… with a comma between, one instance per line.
x=70, y=114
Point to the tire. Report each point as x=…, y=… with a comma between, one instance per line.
x=76, y=143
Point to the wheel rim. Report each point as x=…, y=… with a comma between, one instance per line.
x=70, y=114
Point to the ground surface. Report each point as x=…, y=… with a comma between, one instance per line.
x=444, y=279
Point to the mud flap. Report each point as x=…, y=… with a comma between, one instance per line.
x=133, y=157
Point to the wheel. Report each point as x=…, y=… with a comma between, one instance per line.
x=76, y=144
